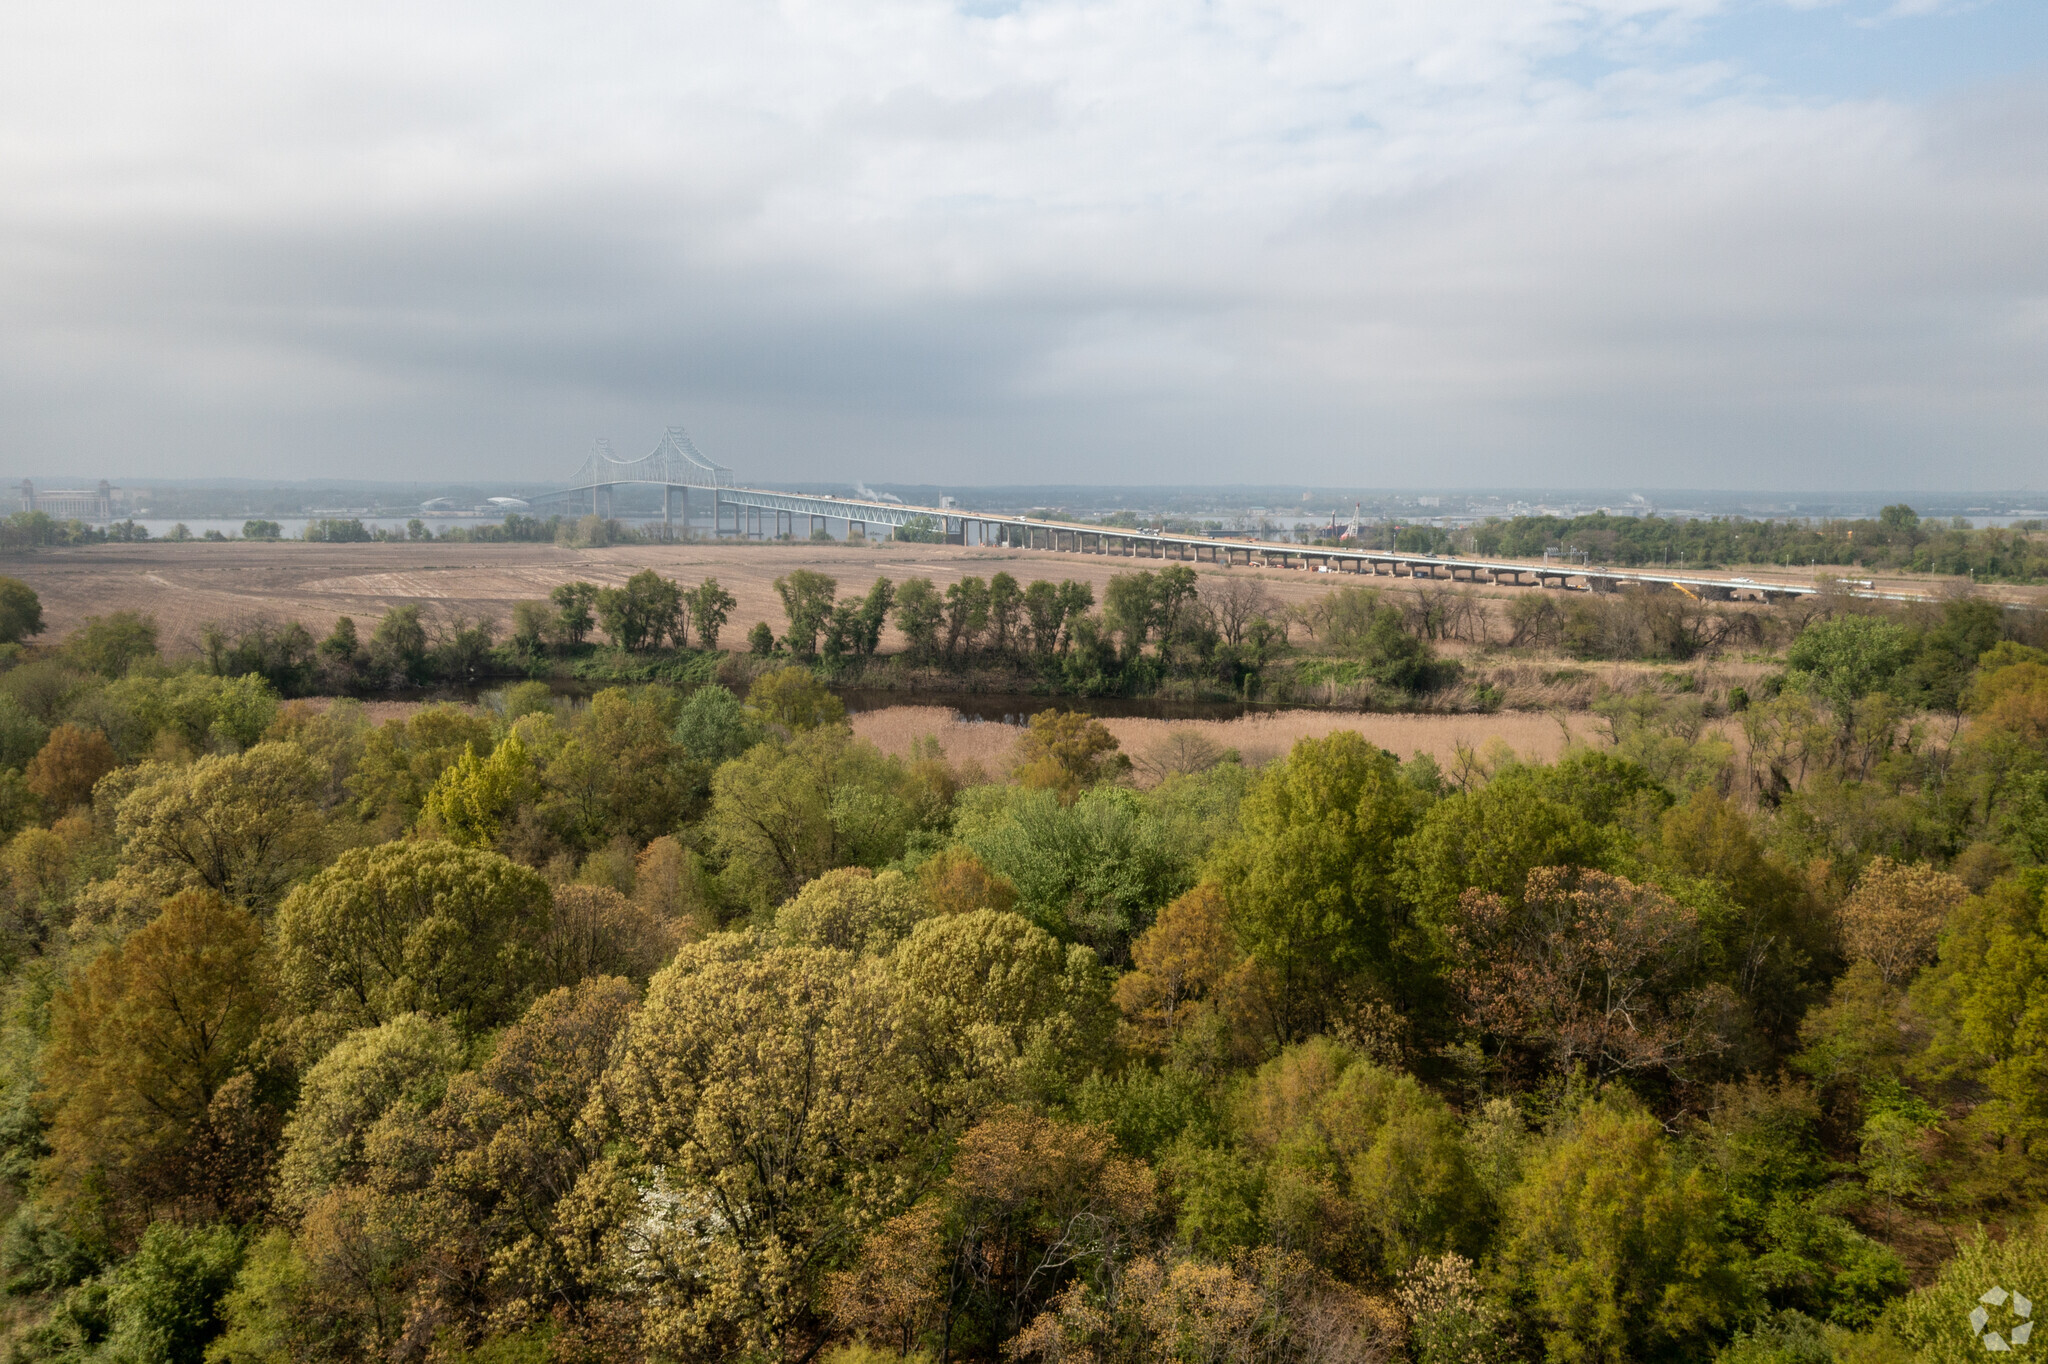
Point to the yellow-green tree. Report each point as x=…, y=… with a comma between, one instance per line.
x=759, y=1092
x=793, y=698
x=344, y=1095
x=246, y=825
x=851, y=909
x=511, y=1140
x=1614, y=1253
x=991, y=1008
x=402, y=759
x=1893, y=918
x=414, y=926
x=1366, y=1170
x=470, y=802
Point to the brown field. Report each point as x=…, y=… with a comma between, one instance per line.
x=186, y=586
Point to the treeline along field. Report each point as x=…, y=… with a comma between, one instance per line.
x=1897, y=539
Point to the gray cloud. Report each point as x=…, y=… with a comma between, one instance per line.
x=1061, y=242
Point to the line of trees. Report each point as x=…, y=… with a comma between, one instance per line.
x=1896, y=539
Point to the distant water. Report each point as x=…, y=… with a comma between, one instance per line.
x=293, y=527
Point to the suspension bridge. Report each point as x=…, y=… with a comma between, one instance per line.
x=700, y=495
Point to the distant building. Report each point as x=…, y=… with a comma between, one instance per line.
x=70, y=504
x=510, y=504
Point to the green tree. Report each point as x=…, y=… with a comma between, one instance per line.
x=807, y=603
x=1760, y=1144
x=112, y=644
x=244, y=826
x=1044, y=614
x=22, y=735
x=398, y=646
x=713, y=726
x=619, y=772
x=1612, y=1252
x=1986, y=1001
x=966, y=614
x=789, y=810
x=21, y=611
x=1934, y=1322
x=1094, y=871
x=1939, y=675
x=1491, y=839
x=710, y=608
x=873, y=615
x=1310, y=879
x=643, y=613
x=573, y=603
x=1366, y=1170
x=1130, y=610
x=1845, y=659
x=402, y=759
x=414, y=926
x=166, y=1300
x=920, y=612
x=341, y=653
x=532, y=624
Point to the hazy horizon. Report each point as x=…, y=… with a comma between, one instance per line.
x=1733, y=245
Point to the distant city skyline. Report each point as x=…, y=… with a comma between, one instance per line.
x=1763, y=245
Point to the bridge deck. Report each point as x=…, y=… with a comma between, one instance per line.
x=966, y=526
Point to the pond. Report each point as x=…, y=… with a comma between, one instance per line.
x=1016, y=708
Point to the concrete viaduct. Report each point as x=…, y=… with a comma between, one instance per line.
x=706, y=492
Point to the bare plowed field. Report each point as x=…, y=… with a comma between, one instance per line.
x=185, y=586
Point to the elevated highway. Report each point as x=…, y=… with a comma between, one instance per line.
x=771, y=515
x=706, y=494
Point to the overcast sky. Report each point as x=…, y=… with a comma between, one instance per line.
x=1710, y=243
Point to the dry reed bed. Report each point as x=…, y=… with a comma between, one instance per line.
x=1256, y=738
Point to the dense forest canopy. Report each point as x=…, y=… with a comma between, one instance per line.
x=678, y=1023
